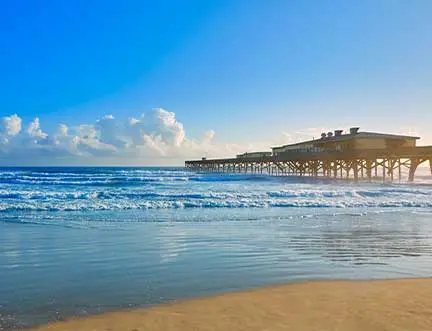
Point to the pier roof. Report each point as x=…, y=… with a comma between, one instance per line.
x=345, y=137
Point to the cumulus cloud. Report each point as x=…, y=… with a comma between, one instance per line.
x=34, y=129
x=168, y=127
x=62, y=130
x=10, y=126
x=153, y=136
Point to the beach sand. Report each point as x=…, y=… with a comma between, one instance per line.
x=404, y=304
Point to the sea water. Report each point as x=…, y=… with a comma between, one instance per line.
x=78, y=241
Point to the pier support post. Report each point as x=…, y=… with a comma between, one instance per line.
x=413, y=167
x=369, y=169
x=391, y=166
x=430, y=165
x=355, y=169
x=400, y=170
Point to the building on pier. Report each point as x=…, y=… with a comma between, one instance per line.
x=353, y=141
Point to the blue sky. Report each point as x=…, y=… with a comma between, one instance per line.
x=249, y=70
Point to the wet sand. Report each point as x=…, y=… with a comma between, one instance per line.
x=404, y=304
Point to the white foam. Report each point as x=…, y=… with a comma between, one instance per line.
x=120, y=189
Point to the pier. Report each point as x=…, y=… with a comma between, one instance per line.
x=356, y=155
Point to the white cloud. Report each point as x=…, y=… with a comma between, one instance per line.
x=111, y=132
x=156, y=137
x=62, y=130
x=208, y=137
x=10, y=126
x=171, y=131
x=34, y=129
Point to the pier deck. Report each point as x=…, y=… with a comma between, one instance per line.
x=358, y=164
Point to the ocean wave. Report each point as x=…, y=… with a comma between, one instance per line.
x=96, y=205
x=351, y=193
x=96, y=181
x=91, y=176
x=231, y=178
x=310, y=194
x=153, y=193
x=122, y=194
x=85, y=189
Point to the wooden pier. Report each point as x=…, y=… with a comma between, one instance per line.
x=368, y=164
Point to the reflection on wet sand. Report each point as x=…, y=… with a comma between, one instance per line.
x=364, y=246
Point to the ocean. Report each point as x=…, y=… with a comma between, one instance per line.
x=79, y=241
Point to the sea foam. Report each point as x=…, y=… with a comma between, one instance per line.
x=93, y=189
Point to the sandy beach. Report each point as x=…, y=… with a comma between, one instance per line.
x=404, y=304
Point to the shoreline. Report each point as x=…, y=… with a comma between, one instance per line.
x=396, y=304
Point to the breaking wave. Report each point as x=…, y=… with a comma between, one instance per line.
x=128, y=205
x=93, y=189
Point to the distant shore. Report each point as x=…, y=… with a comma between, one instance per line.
x=404, y=304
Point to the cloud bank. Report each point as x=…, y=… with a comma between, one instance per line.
x=153, y=138
x=156, y=137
